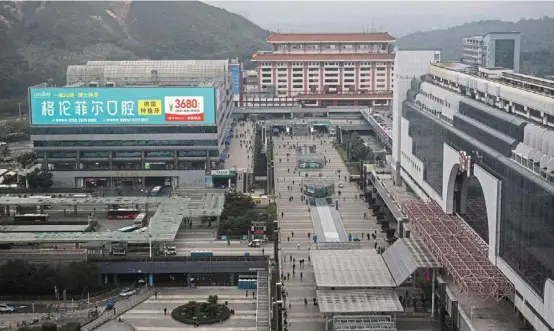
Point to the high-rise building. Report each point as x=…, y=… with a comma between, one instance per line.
x=493, y=50
x=329, y=69
x=481, y=146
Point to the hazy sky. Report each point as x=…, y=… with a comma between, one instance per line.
x=397, y=17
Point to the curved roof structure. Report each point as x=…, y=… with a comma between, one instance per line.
x=147, y=72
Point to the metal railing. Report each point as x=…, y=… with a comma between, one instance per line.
x=119, y=309
x=263, y=302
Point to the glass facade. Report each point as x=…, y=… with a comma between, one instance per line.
x=427, y=140
x=504, y=53
x=526, y=239
x=122, y=129
x=91, y=143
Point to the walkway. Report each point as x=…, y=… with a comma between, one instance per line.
x=149, y=316
x=240, y=157
x=327, y=223
x=297, y=219
x=121, y=306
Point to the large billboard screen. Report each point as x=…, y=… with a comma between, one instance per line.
x=236, y=76
x=122, y=106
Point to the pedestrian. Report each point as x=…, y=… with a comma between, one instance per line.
x=114, y=311
x=247, y=294
x=288, y=239
x=155, y=294
x=298, y=246
x=301, y=275
x=165, y=311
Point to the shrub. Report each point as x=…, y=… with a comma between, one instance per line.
x=71, y=326
x=201, y=313
x=49, y=326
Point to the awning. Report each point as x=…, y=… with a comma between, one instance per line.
x=353, y=268
x=364, y=322
x=407, y=255
x=359, y=301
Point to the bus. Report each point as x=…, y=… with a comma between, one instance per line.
x=129, y=228
x=139, y=220
x=156, y=191
x=31, y=217
x=122, y=214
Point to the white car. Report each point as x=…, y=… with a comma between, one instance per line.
x=341, y=184
x=5, y=308
x=127, y=292
x=255, y=243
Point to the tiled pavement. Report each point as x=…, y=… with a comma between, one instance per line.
x=149, y=316
x=296, y=218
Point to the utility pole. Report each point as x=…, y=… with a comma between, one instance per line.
x=19, y=106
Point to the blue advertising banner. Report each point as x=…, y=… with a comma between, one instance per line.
x=122, y=106
x=236, y=76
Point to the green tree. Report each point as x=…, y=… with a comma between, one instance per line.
x=39, y=179
x=213, y=299
x=27, y=159
x=4, y=152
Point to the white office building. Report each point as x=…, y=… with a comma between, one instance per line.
x=493, y=50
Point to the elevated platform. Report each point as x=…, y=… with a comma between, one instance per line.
x=327, y=223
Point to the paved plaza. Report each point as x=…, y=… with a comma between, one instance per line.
x=149, y=316
x=297, y=219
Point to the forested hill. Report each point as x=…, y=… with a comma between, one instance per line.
x=40, y=39
x=537, y=41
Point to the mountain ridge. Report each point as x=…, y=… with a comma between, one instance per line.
x=537, y=44
x=45, y=37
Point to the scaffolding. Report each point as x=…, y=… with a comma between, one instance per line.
x=149, y=73
x=460, y=249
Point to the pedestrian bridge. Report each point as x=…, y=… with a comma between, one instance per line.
x=179, y=264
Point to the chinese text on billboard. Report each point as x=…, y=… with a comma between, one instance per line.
x=132, y=106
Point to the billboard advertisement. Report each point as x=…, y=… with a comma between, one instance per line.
x=236, y=77
x=122, y=106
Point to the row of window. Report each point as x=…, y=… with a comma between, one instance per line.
x=73, y=154
x=128, y=166
x=442, y=102
x=91, y=143
x=318, y=64
x=123, y=129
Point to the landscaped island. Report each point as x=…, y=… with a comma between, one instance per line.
x=208, y=312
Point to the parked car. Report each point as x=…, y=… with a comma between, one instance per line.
x=255, y=243
x=127, y=292
x=5, y=308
